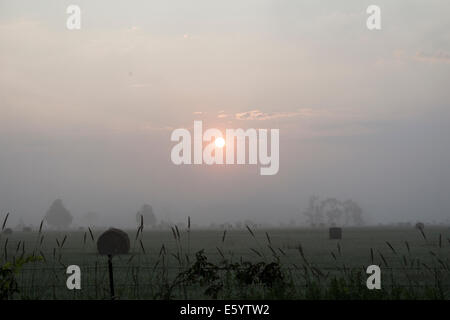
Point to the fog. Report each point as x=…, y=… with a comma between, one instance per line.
x=86, y=115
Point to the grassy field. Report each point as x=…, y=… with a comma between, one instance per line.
x=276, y=263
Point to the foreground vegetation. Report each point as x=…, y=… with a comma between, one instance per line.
x=239, y=264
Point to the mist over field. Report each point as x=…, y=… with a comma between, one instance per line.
x=86, y=115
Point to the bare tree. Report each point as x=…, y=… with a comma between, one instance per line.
x=313, y=213
x=336, y=212
x=353, y=213
x=333, y=209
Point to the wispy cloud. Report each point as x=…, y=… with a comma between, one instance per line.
x=260, y=115
x=439, y=56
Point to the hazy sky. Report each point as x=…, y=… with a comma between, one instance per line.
x=86, y=115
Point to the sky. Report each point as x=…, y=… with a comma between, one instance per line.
x=86, y=115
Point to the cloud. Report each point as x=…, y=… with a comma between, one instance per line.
x=439, y=56
x=260, y=115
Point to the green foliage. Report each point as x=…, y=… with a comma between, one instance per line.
x=8, y=274
x=215, y=277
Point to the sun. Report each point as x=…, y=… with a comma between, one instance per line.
x=219, y=142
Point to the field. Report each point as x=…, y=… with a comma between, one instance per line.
x=239, y=264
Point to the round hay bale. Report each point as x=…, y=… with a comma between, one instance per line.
x=8, y=231
x=420, y=226
x=335, y=233
x=113, y=242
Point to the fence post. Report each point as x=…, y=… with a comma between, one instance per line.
x=111, y=276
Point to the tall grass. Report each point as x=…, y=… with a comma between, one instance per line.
x=268, y=270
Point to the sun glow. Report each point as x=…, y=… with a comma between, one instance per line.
x=219, y=142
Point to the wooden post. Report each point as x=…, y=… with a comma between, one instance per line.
x=111, y=243
x=111, y=276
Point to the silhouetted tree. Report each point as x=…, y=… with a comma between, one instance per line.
x=20, y=225
x=147, y=213
x=313, y=213
x=353, y=213
x=58, y=216
x=334, y=210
